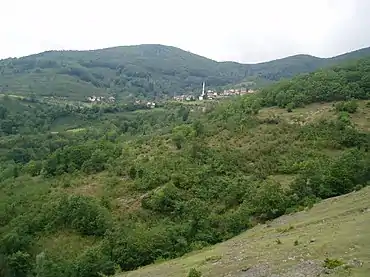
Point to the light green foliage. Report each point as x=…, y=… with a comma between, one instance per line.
x=182, y=133
x=40, y=265
x=347, y=106
x=289, y=107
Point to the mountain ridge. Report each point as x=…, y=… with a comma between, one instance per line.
x=359, y=50
x=148, y=71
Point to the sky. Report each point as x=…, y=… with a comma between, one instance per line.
x=246, y=31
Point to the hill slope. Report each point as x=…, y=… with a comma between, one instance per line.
x=123, y=187
x=146, y=71
x=336, y=229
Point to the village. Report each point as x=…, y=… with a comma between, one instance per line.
x=211, y=94
x=205, y=95
x=98, y=99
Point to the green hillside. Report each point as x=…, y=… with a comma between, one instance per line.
x=91, y=190
x=144, y=71
x=334, y=230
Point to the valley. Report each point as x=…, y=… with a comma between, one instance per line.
x=272, y=182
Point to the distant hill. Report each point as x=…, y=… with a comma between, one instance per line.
x=144, y=71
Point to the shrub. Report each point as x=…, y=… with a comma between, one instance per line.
x=286, y=229
x=194, y=273
x=83, y=214
x=332, y=263
x=289, y=107
x=347, y=106
x=33, y=168
x=93, y=263
x=19, y=264
x=269, y=200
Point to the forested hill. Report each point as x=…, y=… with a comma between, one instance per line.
x=144, y=71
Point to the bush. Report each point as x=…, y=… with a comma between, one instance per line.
x=94, y=262
x=83, y=214
x=19, y=264
x=269, y=200
x=332, y=263
x=289, y=107
x=33, y=168
x=194, y=273
x=347, y=106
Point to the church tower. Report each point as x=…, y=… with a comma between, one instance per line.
x=203, y=92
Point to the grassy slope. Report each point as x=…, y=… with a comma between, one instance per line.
x=338, y=226
x=233, y=258
x=316, y=111
x=257, y=244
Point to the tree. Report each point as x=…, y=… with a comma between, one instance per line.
x=289, y=107
x=33, y=168
x=182, y=133
x=19, y=264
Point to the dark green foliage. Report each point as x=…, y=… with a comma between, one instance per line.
x=82, y=214
x=336, y=83
x=268, y=201
x=332, y=263
x=340, y=176
x=94, y=262
x=194, y=273
x=91, y=158
x=19, y=264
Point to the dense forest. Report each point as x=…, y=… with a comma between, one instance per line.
x=142, y=71
x=86, y=191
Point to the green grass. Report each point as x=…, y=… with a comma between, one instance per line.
x=67, y=244
x=318, y=111
x=335, y=229
x=303, y=115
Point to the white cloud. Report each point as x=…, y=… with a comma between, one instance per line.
x=243, y=30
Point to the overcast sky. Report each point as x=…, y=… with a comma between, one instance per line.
x=239, y=30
